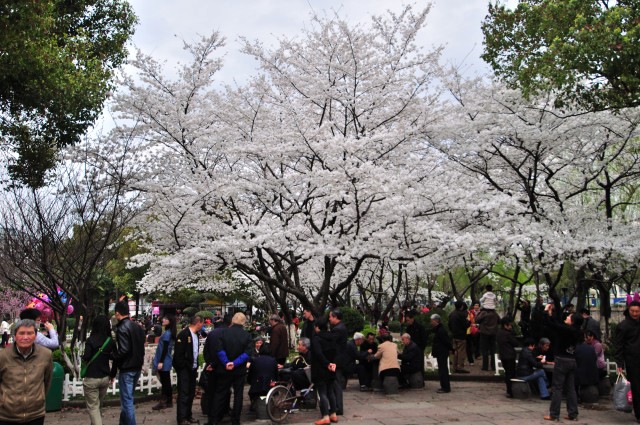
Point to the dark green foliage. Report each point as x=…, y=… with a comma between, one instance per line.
x=57, y=59
x=584, y=51
x=352, y=319
x=189, y=311
x=394, y=326
x=205, y=314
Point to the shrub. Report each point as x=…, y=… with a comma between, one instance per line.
x=352, y=319
x=205, y=314
x=189, y=311
x=71, y=324
x=368, y=329
x=395, y=326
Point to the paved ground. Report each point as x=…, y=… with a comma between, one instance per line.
x=470, y=402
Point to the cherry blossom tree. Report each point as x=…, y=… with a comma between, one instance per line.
x=568, y=170
x=297, y=179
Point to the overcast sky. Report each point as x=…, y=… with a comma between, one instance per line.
x=163, y=24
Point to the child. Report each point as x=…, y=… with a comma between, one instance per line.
x=488, y=300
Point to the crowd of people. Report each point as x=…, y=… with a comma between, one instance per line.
x=559, y=353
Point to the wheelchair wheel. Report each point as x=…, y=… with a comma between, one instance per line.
x=279, y=401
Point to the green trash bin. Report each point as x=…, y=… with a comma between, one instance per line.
x=53, y=401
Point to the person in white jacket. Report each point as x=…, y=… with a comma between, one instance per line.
x=51, y=342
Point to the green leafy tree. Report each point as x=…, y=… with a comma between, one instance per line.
x=57, y=60
x=584, y=50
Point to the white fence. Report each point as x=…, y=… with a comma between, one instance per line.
x=611, y=366
x=147, y=383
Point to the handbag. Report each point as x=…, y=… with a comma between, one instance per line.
x=83, y=369
x=620, y=390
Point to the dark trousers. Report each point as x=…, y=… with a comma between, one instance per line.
x=165, y=381
x=338, y=385
x=472, y=343
x=443, y=372
x=187, y=379
x=38, y=421
x=364, y=373
x=632, y=367
x=509, y=366
x=488, y=349
x=564, y=373
x=327, y=397
x=225, y=382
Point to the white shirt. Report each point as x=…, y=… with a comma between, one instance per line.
x=196, y=346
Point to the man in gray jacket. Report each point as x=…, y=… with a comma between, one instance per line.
x=25, y=376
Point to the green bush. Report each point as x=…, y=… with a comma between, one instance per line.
x=56, y=355
x=71, y=324
x=205, y=314
x=368, y=329
x=395, y=326
x=352, y=319
x=425, y=318
x=189, y=311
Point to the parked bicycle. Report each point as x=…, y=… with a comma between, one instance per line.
x=283, y=399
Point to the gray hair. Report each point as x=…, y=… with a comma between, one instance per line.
x=275, y=318
x=25, y=323
x=405, y=335
x=358, y=335
x=436, y=317
x=544, y=341
x=305, y=342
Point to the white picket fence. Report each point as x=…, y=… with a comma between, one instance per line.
x=148, y=382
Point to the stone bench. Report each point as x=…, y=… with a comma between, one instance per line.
x=520, y=389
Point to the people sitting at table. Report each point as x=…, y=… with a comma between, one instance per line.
x=531, y=368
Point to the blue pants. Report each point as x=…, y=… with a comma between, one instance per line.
x=127, y=383
x=541, y=378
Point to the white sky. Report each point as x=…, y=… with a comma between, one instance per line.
x=163, y=24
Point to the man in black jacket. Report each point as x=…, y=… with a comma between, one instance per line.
x=127, y=360
x=185, y=362
x=412, y=360
x=507, y=344
x=232, y=350
x=530, y=368
x=418, y=333
x=626, y=343
x=354, y=354
x=341, y=335
x=440, y=350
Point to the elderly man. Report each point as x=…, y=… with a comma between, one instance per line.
x=353, y=355
x=440, y=350
x=50, y=341
x=232, y=349
x=278, y=339
x=25, y=374
x=412, y=361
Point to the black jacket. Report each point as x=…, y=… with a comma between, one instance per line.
x=527, y=363
x=564, y=337
x=507, y=344
x=130, y=353
x=441, y=342
x=412, y=359
x=341, y=336
x=323, y=352
x=626, y=342
x=458, y=324
x=418, y=334
x=99, y=368
x=234, y=344
x=353, y=354
x=183, y=351
x=587, y=365
x=262, y=371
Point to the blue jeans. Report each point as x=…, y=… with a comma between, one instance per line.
x=541, y=378
x=127, y=383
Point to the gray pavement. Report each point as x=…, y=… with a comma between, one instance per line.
x=470, y=402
